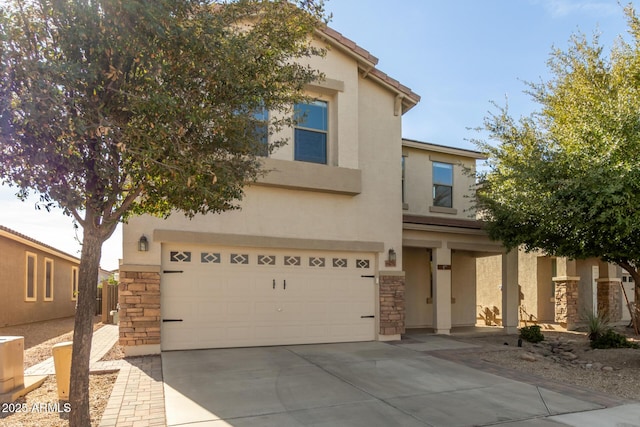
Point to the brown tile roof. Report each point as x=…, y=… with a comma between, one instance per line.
x=371, y=60
x=36, y=242
x=349, y=44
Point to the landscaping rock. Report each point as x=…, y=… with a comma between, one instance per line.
x=529, y=357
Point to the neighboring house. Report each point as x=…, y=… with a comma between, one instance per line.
x=597, y=288
x=37, y=281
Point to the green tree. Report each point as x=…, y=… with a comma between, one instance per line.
x=566, y=179
x=110, y=108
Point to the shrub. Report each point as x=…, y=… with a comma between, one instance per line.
x=597, y=325
x=531, y=333
x=612, y=339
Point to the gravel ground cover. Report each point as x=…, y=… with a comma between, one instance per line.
x=567, y=357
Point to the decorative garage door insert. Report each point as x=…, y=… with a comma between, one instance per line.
x=235, y=297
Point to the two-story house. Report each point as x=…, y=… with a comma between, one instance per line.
x=315, y=253
x=354, y=234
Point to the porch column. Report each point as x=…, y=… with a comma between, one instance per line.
x=609, y=292
x=566, y=310
x=442, y=290
x=510, y=292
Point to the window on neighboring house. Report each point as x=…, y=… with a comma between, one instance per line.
x=310, y=134
x=442, y=185
x=30, y=277
x=48, y=279
x=74, y=283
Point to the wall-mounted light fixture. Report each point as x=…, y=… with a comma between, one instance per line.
x=391, y=258
x=143, y=244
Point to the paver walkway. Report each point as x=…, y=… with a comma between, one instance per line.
x=137, y=398
x=103, y=339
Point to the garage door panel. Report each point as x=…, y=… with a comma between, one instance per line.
x=232, y=297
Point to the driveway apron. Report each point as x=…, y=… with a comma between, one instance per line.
x=350, y=384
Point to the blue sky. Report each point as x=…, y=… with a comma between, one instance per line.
x=458, y=55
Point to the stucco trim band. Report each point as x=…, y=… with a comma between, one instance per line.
x=477, y=247
x=310, y=177
x=140, y=268
x=177, y=236
x=415, y=243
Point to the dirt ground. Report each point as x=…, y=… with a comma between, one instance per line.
x=567, y=357
x=41, y=407
x=40, y=337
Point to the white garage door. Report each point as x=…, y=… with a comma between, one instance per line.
x=214, y=297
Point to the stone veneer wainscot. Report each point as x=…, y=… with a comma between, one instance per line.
x=139, y=298
x=392, y=305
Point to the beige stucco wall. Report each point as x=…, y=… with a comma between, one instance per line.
x=364, y=134
x=419, y=182
x=546, y=290
x=489, y=286
x=418, y=296
x=534, y=280
x=14, y=310
x=463, y=288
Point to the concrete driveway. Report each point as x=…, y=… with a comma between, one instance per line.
x=360, y=384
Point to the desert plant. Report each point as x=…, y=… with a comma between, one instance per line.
x=612, y=339
x=531, y=333
x=597, y=325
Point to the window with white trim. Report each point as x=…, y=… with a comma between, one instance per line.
x=48, y=279
x=31, y=275
x=442, y=185
x=74, y=283
x=311, y=132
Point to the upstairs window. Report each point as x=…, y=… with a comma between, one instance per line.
x=30, y=277
x=261, y=130
x=442, y=185
x=48, y=279
x=310, y=136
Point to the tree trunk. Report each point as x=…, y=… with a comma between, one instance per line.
x=83, y=327
x=635, y=317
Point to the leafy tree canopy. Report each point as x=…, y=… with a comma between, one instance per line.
x=134, y=106
x=566, y=180
x=110, y=108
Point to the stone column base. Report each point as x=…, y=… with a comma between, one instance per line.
x=609, y=299
x=139, y=299
x=566, y=309
x=392, y=309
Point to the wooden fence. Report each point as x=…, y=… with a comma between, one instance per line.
x=106, y=301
